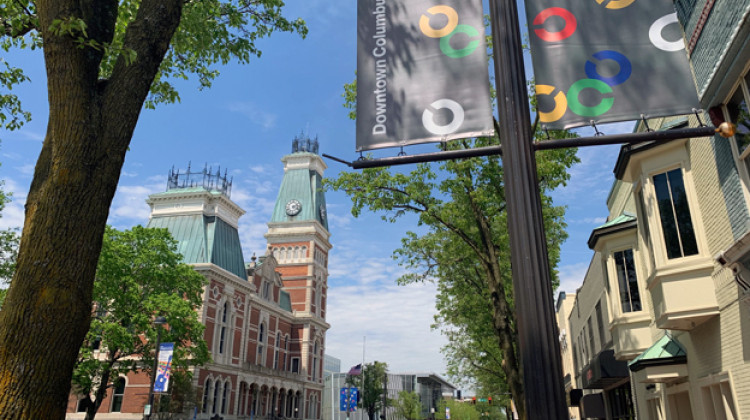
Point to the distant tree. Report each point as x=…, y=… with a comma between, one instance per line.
x=9, y=240
x=373, y=391
x=182, y=398
x=408, y=405
x=458, y=410
x=104, y=60
x=138, y=277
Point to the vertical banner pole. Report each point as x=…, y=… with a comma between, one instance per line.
x=537, y=330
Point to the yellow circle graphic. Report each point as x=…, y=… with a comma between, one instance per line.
x=449, y=12
x=617, y=4
x=561, y=104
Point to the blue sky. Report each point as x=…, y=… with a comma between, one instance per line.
x=245, y=123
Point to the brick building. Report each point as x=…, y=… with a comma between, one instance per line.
x=265, y=319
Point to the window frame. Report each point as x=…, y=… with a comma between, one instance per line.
x=628, y=281
x=260, y=353
x=666, y=161
x=118, y=397
x=726, y=389
x=741, y=158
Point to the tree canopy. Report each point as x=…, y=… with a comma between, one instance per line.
x=105, y=60
x=408, y=405
x=138, y=277
x=372, y=387
x=465, y=249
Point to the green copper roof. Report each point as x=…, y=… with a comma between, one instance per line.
x=306, y=186
x=666, y=351
x=205, y=239
x=619, y=223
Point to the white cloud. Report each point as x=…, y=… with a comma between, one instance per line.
x=393, y=321
x=129, y=204
x=260, y=169
x=571, y=276
x=13, y=214
x=254, y=113
x=27, y=169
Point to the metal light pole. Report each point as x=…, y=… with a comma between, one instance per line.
x=532, y=285
x=158, y=322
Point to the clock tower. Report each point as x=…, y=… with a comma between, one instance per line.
x=298, y=238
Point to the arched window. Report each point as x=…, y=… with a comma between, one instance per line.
x=261, y=341
x=217, y=393
x=207, y=389
x=118, y=395
x=223, y=328
x=315, y=363
x=224, y=396
x=286, y=352
x=276, y=351
x=243, y=398
x=276, y=253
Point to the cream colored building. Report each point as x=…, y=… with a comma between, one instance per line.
x=667, y=293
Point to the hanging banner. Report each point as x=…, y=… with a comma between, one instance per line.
x=421, y=72
x=608, y=60
x=161, y=383
x=350, y=396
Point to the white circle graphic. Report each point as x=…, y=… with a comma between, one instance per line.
x=654, y=34
x=453, y=106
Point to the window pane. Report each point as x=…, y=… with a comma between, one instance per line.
x=622, y=282
x=738, y=114
x=119, y=390
x=674, y=214
x=682, y=210
x=666, y=216
x=627, y=281
x=635, y=297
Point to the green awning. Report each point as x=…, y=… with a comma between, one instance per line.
x=619, y=223
x=666, y=351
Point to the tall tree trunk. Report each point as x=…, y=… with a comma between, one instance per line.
x=501, y=311
x=47, y=311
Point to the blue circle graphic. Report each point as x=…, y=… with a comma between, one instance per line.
x=625, y=67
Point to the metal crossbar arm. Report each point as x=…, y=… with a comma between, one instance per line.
x=629, y=138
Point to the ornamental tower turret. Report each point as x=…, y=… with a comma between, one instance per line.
x=298, y=238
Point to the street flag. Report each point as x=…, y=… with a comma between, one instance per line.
x=355, y=370
x=422, y=72
x=608, y=60
x=353, y=399
x=349, y=395
x=161, y=383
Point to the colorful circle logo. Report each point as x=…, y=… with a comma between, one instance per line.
x=448, y=31
x=570, y=24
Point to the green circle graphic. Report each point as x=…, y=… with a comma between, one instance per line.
x=589, y=111
x=445, y=42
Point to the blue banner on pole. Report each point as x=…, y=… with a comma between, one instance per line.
x=353, y=398
x=349, y=395
x=161, y=383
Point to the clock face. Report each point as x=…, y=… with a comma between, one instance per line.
x=293, y=207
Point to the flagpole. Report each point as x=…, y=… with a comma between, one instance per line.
x=364, y=340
